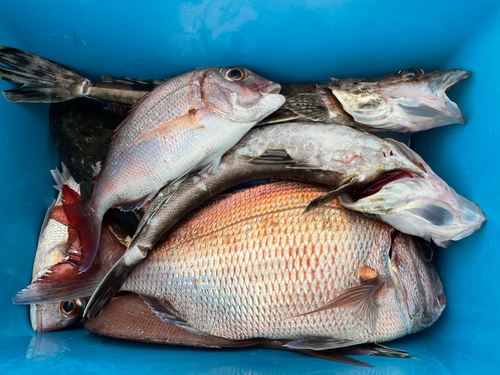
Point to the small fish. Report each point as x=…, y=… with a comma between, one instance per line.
x=45, y=81
x=408, y=101
x=185, y=124
x=252, y=265
x=128, y=317
x=348, y=160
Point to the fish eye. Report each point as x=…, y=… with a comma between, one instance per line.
x=426, y=251
x=410, y=73
x=234, y=74
x=70, y=307
x=67, y=307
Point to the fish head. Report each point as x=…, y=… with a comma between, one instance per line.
x=240, y=95
x=46, y=317
x=407, y=101
x=421, y=205
x=418, y=286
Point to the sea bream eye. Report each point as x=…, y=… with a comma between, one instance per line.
x=234, y=74
x=411, y=73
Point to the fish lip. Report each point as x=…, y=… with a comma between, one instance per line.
x=455, y=76
x=271, y=88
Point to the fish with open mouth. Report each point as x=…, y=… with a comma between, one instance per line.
x=252, y=265
x=407, y=101
x=185, y=124
x=359, y=167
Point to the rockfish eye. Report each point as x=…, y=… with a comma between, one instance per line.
x=234, y=74
x=410, y=73
x=426, y=251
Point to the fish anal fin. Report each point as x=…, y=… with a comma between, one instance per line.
x=325, y=198
x=362, y=299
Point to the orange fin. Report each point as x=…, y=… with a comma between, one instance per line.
x=361, y=298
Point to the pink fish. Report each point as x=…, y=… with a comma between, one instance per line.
x=185, y=124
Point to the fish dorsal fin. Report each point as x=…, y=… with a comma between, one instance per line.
x=275, y=156
x=361, y=299
x=310, y=106
x=325, y=198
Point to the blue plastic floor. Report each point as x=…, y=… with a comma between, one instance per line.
x=284, y=41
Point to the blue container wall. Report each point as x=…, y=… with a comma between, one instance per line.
x=284, y=41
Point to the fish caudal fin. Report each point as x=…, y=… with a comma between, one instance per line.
x=88, y=225
x=44, y=81
x=64, y=281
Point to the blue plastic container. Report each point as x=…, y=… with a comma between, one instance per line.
x=284, y=41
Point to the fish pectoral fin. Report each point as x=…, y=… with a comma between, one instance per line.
x=325, y=198
x=310, y=106
x=361, y=299
x=175, y=126
x=212, y=167
x=334, y=356
x=320, y=343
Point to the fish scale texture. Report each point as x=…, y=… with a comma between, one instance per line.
x=239, y=267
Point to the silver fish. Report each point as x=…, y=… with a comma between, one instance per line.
x=350, y=161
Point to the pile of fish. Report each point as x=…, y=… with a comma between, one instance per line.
x=330, y=256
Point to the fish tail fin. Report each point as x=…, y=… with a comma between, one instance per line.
x=64, y=281
x=43, y=80
x=87, y=223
